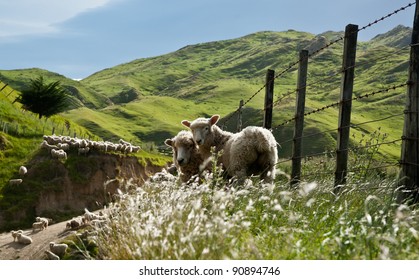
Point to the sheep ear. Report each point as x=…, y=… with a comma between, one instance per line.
x=186, y=123
x=214, y=119
x=169, y=142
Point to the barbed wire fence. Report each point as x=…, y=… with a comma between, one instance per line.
x=408, y=162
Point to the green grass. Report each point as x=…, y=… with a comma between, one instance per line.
x=209, y=78
x=166, y=220
x=21, y=134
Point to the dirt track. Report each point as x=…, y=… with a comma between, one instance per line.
x=10, y=250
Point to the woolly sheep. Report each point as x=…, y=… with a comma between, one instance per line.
x=186, y=155
x=46, y=145
x=23, y=239
x=38, y=226
x=66, y=143
x=51, y=255
x=252, y=151
x=59, y=154
x=84, y=150
x=73, y=224
x=14, y=234
x=45, y=221
x=163, y=175
x=63, y=146
x=90, y=216
x=123, y=142
x=15, y=182
x=58, y=248
x=23, y=170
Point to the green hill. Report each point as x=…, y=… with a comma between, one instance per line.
x=21, y=133
x=147, y=98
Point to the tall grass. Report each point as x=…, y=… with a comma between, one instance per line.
x=217, y=220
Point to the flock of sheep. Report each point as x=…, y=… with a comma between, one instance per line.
x=56, y=250
x=59, y=146
x=252, y=151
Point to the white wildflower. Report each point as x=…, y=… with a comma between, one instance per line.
x=277, y=207
x=307, y=188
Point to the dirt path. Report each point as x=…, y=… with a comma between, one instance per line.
x=10, y=250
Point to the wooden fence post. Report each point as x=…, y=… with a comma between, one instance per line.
x=299, y=118
x=239, y=118
x=269, y=98
x=348, y=68
x=5, y=85
x=409, y=192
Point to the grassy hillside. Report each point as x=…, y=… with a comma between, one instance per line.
x=146, y=99
x=21, y=133
x=19, y=79
x=212, y=77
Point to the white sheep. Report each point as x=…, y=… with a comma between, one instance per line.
x=46, y=145
x=90, y=216
x=84, y=150
x=164, y=175
x=123, y=142
x=23, y=239
x=51, y=255
x=14, y=234
x=38, y=226
x=73, y=224
x=59, y=154
x=45, y=221
x=186, y=156
x=63, y=146
x=136, y=149
x=252, y=151
x=15, y=182
x=23, y=170
x=58, y=248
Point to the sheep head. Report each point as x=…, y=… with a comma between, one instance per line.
x=183, y=146
x=202, y=128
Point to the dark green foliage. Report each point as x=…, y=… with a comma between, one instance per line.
x=44, y=99
x=125, y=96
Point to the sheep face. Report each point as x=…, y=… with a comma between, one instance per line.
x=183, y=145
x=201, y=128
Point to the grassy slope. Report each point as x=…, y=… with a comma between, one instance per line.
x=24, y=134
x=208, y=78
x=212, y=78
x=19, y=79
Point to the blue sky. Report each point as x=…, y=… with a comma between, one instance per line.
x=79, y=37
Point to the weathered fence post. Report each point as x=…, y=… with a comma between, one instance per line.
x=269, y=98
x=409, y=174
x=5, y=85
x=299, y=118
x=348, y=68
x=239, y=118
x=10, y=92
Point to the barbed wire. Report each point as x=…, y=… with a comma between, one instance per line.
x=314, y=155
x=334, y=104
x=387, y=16
x=353, y=125
x=353, y=170
x=312, y=54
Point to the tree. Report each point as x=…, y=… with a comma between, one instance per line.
x=44, y=99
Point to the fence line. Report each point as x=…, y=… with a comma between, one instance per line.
x=345, y=103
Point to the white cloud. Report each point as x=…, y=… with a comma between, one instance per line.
x=31, y=17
